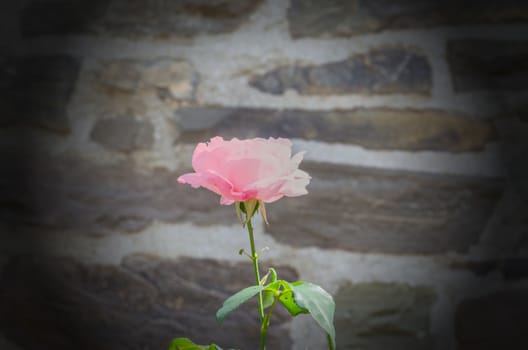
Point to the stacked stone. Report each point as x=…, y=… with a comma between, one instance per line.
x=414, y=118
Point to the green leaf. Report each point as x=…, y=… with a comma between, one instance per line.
x=234, y=301
x=287, y=299
x=269, y=296
x=318, y=302
x=187, y=344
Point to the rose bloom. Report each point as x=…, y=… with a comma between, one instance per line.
x=241, y=170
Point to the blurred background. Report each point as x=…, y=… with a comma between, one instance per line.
x=414, y=118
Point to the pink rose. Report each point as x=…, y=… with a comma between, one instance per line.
x=240, y=170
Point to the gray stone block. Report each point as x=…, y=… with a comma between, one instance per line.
x=371, y=128
x=382, y=211
x=141, y=304
x=385, y=70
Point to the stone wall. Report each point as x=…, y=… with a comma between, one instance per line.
x=414, y=116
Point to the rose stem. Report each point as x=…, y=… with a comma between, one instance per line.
x=254, y=258
x=330, y=342
x=265, y=325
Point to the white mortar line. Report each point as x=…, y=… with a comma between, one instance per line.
x=223, y=243
x=486, y=163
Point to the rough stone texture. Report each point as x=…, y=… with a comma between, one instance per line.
x=377, y=211
x=514, y=144
x=488, y=65
x=97, y=199
x=386, y=70
x=516, y=223
x=375, y=128
x=141, y=304
x=494, y=321
x=123, y=133
x=176, y=79
x=383, y=316
x=35, y=90
x=155, y=18
x=506, y=234
x=510, y=268
x=323, y=18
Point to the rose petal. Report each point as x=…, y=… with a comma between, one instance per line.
x=238, y=170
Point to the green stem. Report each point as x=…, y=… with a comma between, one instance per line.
x=265, y=325
x=330, y=342
x=254, y=258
